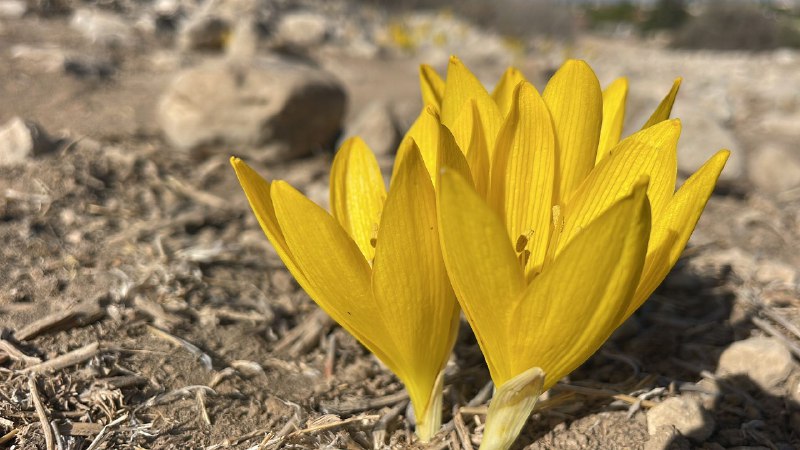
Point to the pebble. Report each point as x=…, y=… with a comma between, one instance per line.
x=685, y=414
x=764, y=360
x=13, y=9
x=20, y=140
x=302, y=29
x=102, y=27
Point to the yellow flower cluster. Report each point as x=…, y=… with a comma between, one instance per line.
x=525, y=210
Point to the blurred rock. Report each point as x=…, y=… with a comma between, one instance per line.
x=774, y=362
x=376, y=126
x=12, y=9
x=47, y=59
x=101, y=27
x=209, y=27
x=774, y=168
x=90, y=67
x=204, y=32
x=685, y=414
x=666, y=437
x=302, y=29
x=701, y=138
x=20, y=140
x=269, y=102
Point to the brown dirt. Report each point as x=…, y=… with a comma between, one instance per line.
x=218, y=346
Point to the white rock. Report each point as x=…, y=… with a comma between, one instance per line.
x=685, y=414
x=13, y=9
x=376, y=126
x=20, y=140
x=269, y=102
x=775, y=168
x=764, y=360
x=302, y=29
x=102, y=27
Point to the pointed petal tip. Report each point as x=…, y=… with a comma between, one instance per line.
x=454, y=59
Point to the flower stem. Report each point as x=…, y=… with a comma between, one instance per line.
x=430, y=419
x=511, y=405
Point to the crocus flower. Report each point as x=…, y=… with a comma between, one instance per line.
x=560, y=231
x=374, y=265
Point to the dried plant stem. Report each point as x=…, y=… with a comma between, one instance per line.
x=49, y=437
x=66, y=360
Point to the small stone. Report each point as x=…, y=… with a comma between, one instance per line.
x=775, y=169
x=204, y=32
x=376, y=126
x=102, y=27
x=764, y=360
x=47, y=59
x=265, y=102
x=302, y=29
x=685, y=414
x=20, y=140
x=13, y=9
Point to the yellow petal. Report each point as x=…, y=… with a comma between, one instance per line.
x=432, y=86
x=672, y=228
x=650, y=152
x=258, y=195
x=576, y=104
x=664, y=108
x=461, y=86
x=410, y=282
x=334, y=272
x=357, y=193
x=481, y=263
x=503, y=92
x=523, y=171
x=613, y=116
x=435, y=143
x=573, y=306
x=424, y=135
x=470, y=136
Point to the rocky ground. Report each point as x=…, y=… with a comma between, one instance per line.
x=142, y=307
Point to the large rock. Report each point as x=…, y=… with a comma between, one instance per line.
x=685, y=414
x=764, y=360
x=775, y=168
x=20, y=140
x=267, y=102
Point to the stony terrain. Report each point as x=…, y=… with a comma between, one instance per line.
x=142, y=307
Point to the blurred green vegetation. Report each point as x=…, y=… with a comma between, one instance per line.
x=716, y=24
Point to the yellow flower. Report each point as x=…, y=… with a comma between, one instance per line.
x=375, y=265
x=559, y=231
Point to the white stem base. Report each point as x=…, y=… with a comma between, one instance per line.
x=510, y=408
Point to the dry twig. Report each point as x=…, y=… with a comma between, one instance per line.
x=49, y=436
x=66, y=360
